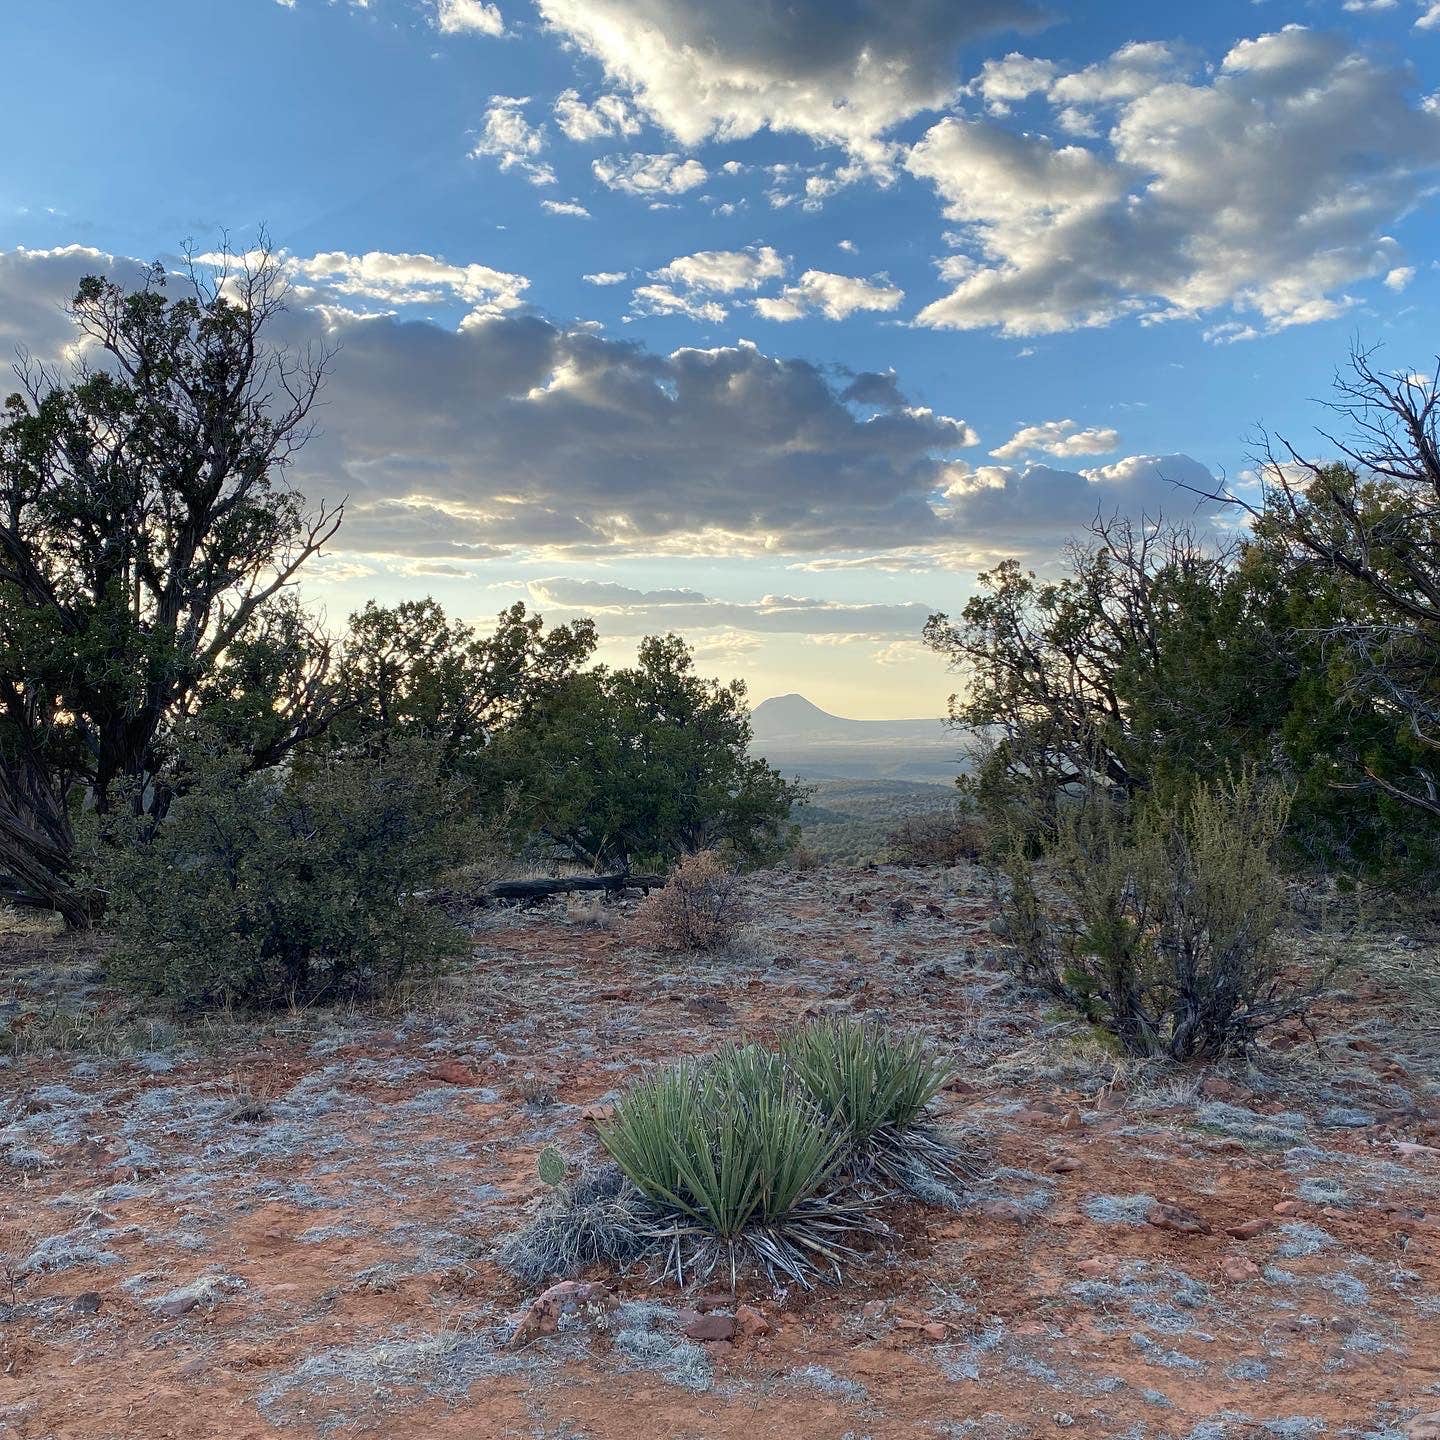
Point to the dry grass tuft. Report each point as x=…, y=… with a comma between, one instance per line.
x=701, y=907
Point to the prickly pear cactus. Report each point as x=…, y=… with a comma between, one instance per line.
x=551, y=1166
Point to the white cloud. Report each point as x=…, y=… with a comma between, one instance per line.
x=472, y=17
x=666, y=174
x=1064, y=438
x=609, y=115
x=1400, y=277
x=565, y=207
x=724, y=271
x=838, y=73
x=1002, y=83
x=1263, y=190
x=663, y=300
x=1430, y=19
x=510, y=138
x=834, y=296
x=402, y=279
x=606, y=277
x=1034, y=508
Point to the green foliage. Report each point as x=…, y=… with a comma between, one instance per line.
x=284, y=888
x=636, y=767
x=863, y=1077
x=408, y=671
x=551, y=1167
x=148, y=534
x=877, y=1086
x=1166, y=937
x=1156, y=662
x=737, y=1155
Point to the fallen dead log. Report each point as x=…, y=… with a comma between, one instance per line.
x=544, y=889
x=541, y=889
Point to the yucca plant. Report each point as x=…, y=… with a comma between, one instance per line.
x=876, y=1086
x=739, y=1158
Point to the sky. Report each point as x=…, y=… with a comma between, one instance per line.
x=772, y=324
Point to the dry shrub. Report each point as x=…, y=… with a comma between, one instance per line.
x=1166, y=934
x=944, y=837
x=701, y=907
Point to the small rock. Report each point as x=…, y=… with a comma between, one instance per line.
x=1247, y=1230
x=1424, y=1427
x=751, y=1324
x=452, y=1072
x=1063, y=1165
x=174, y=1306
x=543, y=1315
x=717, y=1301
x=1177, y=1217
x=1001, y=1210
x=1095, y=1265
x=1236, y=1268
x=87, y=1302
x=713, y=1326
x=1216, y=1087
x=1288, y=1207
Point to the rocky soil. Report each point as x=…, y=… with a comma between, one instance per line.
x=234, y=1230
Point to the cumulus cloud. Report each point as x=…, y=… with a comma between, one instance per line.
x=1058, y=437
x=1264, y=189
x=628, y=611
x=606, y=277
x=838, y=73
x=1011, y=79
x=468, y=17
x=512, y=433
x=609, y=115
x=834, y=296
x=1033, y=508
x=665, y=300
x=565, y=207
x=404, y=279
x=510, y=138
x=666, y=174
x=724, y=271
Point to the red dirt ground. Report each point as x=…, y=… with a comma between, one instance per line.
x=290, y=1230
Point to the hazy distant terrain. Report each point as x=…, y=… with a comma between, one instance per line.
x=852, y=820
x=801, y=739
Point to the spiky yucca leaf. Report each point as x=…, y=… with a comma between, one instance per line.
x=877, y=1086
x=863, y=1077
x=738, y=1154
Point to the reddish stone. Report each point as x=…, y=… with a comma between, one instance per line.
x=713, y=1326
x=751, y=1323
x=1177, y=1217
x=452, y=1072
x=1236, y=1268
x=1248, y=1230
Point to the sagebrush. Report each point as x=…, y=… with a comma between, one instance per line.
x=1164, y=922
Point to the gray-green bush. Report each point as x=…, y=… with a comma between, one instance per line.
x=285, y=887
x=1164, y=934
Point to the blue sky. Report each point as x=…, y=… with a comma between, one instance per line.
x=850, y=250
